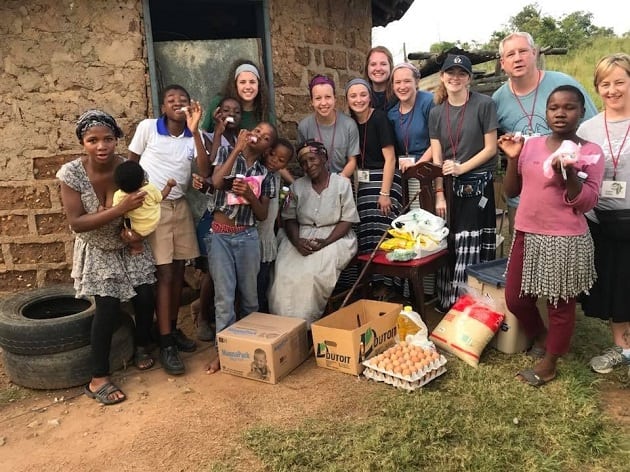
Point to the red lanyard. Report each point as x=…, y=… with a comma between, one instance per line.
x=460, y=123
x=406, y=131
x=331, y=150
x=530, y=116
x=615, y=160
x=365, y=139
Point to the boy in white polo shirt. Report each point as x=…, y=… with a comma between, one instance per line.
x=166, y=147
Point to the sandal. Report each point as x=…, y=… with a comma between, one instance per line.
x=142, y=359
x=102, y=395
x=530, y=377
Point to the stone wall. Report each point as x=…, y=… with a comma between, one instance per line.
x=58, y=59
x=62, y=57
x=311, y=37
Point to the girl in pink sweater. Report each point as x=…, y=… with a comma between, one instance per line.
x=558, y=178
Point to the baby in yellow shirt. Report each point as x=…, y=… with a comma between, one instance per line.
x=129, y=177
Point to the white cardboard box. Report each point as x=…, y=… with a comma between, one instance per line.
x=263, y=347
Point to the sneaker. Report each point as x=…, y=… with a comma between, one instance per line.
x=183, y=342
x=205, y=331
x=611, y=358
x=171, y=362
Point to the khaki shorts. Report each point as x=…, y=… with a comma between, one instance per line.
x=175, y=237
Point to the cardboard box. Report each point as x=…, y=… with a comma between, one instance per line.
x=263, y=347
x=488, y=279
x=348, y=336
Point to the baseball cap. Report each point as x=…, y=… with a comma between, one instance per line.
x=457, y=60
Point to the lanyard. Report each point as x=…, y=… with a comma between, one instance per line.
x=364, y=143
x=530, y=116
x=331, y=150
x=406, y=130
x=458, y=131
x=615, y=160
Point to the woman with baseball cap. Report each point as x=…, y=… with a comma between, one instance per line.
x=463, y=131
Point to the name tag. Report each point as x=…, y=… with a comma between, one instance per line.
x=613, y=189
x=410, y=160
x=363, y=175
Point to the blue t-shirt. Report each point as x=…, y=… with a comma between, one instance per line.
x=412, y=129
x=514, y=116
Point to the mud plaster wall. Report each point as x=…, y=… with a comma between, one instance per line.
x=60, y=58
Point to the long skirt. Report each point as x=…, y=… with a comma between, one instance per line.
x=609, y=298
x=373, y=223
x=474, y=229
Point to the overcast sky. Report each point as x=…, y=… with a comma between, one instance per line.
x=428, y=22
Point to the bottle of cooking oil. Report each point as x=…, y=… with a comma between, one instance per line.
x=408, y=323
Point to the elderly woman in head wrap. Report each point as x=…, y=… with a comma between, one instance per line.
x=102, y=265
x=319, y=241
x=335, y=130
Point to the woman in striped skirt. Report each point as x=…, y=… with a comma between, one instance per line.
x=379, y=187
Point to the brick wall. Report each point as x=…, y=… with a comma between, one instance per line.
x=62, y=57
x=315, y=37
x=59, y=58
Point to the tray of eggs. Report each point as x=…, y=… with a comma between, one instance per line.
x=405, y=366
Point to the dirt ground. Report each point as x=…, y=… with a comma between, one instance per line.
x=184, y=423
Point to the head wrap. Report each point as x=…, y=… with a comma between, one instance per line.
x=320, y=79
x=358, y=81
x=96, y=118
x=410, y=66
x=246, y=68
x=312, y=147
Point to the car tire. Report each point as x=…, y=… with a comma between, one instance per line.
x=70, y=368
x=45, y=321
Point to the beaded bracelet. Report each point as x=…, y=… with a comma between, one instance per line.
x=383, y=194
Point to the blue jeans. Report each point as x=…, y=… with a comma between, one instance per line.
x=234, y=262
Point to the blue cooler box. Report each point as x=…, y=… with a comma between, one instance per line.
x=488, y=280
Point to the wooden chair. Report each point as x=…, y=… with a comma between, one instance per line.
x=416, y=269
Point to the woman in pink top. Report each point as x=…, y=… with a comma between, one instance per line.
x=558, y=178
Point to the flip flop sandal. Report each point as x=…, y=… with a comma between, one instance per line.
x=142, y=359
x=103, y=393
x=530, y=377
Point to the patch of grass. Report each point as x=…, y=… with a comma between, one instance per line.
x=468, y=419
x=13, y=393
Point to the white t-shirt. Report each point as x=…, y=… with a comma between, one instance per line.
x=163, y=156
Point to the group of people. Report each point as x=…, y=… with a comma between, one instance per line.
x=134, y=246
x=566, y=164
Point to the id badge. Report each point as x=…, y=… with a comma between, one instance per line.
x=613, y=189
x=483, y=201
x=405, y=159
x=363, y=175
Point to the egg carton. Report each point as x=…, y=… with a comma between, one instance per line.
x=416, y=376
x=402, y=382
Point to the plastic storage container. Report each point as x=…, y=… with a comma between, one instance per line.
x=488, y=279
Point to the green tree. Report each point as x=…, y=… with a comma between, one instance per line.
x=571, y=31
